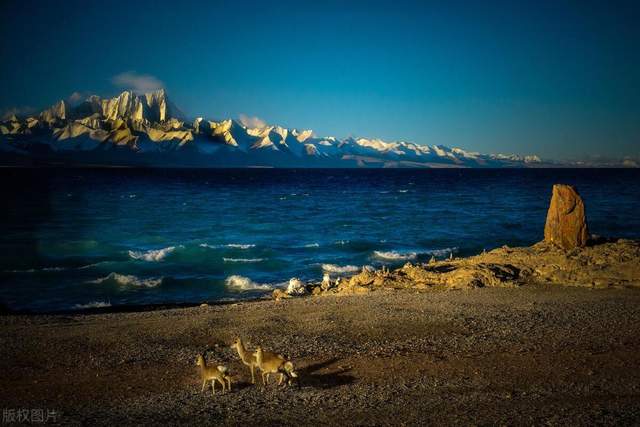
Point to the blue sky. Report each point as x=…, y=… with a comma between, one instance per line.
x=556, y=78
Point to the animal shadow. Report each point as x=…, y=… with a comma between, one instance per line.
x=241, y=385
x=309, y=375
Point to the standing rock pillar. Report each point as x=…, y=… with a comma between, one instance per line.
x=566, y=224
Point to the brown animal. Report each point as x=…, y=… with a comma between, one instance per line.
x=272, y=363
x=248, y=358
x=213, y=373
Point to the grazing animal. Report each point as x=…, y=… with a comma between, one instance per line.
x=272, y=363
x=248, y=358
x=213, y=373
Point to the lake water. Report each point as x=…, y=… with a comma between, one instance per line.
x=74, y=238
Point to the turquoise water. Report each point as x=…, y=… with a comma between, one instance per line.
x=76, y=238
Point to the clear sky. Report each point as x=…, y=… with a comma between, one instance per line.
x=556, y=78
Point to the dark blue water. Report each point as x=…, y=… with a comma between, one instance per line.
x=72, y=238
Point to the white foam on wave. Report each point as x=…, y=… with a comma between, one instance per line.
x=128, y=280
x=395, y=255
x=333, y=268
x=243, y=259
x=241, y=283
x=94, y=304
x=408, y=256
x=312, y=245
x=241, y=245
x=403, y=191
x=153, y=255
x=230, y=245
x=443, y=252
x=85, y=267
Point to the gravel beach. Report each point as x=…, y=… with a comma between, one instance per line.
x=529, y=355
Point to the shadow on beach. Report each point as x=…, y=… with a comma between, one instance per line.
x=309, y=375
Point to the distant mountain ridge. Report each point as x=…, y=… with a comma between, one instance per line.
x=149, y=130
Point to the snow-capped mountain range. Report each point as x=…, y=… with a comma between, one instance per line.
x=149, y=130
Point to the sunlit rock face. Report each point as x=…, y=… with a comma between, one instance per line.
x=566, y=224
x=130, y=127
x=54, y=113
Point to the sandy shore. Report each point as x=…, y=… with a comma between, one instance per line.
x=533, y=355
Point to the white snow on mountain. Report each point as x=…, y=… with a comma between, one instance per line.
x=130, y=127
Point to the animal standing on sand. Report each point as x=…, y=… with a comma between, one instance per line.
x=272, y=363
x=248, y=358
x=213, y=373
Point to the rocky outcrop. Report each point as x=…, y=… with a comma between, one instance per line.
x=296, y=287
x=608, y=264
x=566, y=224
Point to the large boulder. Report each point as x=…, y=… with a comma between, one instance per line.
x=566, y=224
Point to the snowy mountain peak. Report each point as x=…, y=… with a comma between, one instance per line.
x=303, y=135
x=56, y=112
x=149, y=129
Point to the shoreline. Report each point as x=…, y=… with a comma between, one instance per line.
x=538, y=264
x=130, y=308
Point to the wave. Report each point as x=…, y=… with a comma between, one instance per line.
x=333, y=268
x=312, y=245
x=243, y=259
x=153, y=255
x=241, y=245
x=408, y=256
x=35, y=270
x=241, y=283
x=94, y=304
x=125, y=280
x=395, y=255
x=96, y=264
x=403, y=191
x=442, y=252
x=230, y=245
x=51, y=269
